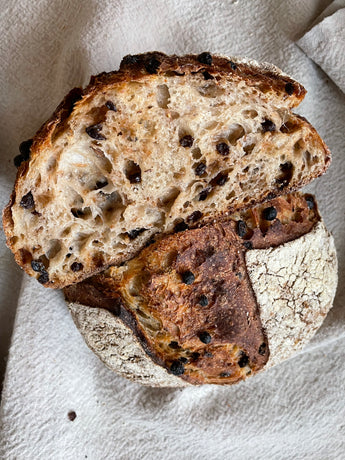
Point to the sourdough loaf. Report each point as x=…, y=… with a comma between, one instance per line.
x=163, y=144
x=214, y=304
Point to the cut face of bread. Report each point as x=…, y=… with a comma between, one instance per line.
x=191, y=303
x=163, y=144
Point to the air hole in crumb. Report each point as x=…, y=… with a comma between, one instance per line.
x=54, y=249
x=298, y=146
x=169, y=198
x=211, y=89
x=163, y=96
x=196, y=153
x=289, y=127
x=236, y=131
x=133, y=172
x=179, y=174
x=211, y=125
x=230, y=195
x=174, y=115
x=66, y=231
x=83, y=213
x=98, y=220
x=250, y=113
x=38, y=180
x=306, y=157
x=112, y=206
x=248, y=149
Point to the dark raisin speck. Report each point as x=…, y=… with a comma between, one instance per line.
x=205, y=337
x=183, y=359
x=241, y=228
x=200, y=169
x=187, y=277
x=194, y=217
x=181, y=227
x=135, y=233
x=195, y=355
x=310, y=201
x=18, y=160
x=111, y=106
x=207, y=76
x=248, y=245
x=271, y=195
x=130, y=59
x=233, y=65
x=94, y=132
x=269, y=213
x=204, y=194
x=203, y=300
x=43, y=278
x=38, y=266
x=76, y=266
x=289, y=88
x=187, y=141
x=71, y=415
x=208, y=355
x=152, y=65
x=222, y=149
x=205, y=58
x=174, y=345
x=262, y=349
x=25, y=147
x=268, y=125
x=225, y=374
x=244, y=360
x=68, y=255
x=27, y=201
x=177, y=368
x=220, y=179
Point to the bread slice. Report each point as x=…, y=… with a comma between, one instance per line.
x=164, y=143
x=214, y=304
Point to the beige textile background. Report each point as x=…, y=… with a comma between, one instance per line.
x=296, y=410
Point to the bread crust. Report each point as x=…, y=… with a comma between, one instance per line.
x=267, y=76
x=281, y=257
x=287, y=319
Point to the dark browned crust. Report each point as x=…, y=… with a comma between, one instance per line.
x=134, y=67
x=264, y=76
x=215, y=254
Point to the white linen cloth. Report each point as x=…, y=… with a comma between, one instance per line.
x=296, y=410
x=325, y=42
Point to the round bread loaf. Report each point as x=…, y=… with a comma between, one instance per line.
x=214, y=304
